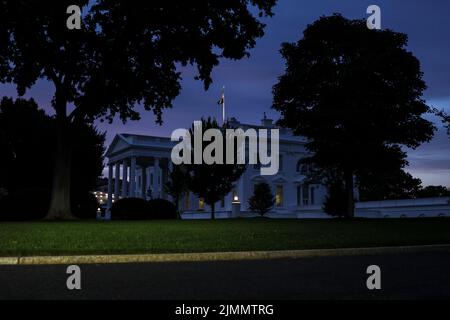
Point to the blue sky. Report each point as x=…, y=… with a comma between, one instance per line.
x=249, y=81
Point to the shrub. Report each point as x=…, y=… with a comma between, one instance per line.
x=162, y=209
x=25, y=204
x=262, y=200
x=85, y=207
x=130, y=208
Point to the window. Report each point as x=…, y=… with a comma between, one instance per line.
x=299, y=195
x=279, y=196
x=312, y=195
x=201, y=204
x=305, y=194
x=280, y=167
x=303, y=168
x=187, y=201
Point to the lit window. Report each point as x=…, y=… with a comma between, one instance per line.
x=279, y=196
x=201, y=203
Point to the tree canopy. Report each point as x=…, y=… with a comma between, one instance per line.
x=126, y=53
x=355, y=94
x=213, y=181
x=27, y=138
x=262, y=200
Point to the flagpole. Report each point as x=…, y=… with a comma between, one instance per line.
x=223, y=106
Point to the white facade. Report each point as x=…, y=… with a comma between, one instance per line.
x=141, y=164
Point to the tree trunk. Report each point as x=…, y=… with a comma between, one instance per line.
x=60, y=199
x=213, y=211
x=350, y=194
x=176, y=199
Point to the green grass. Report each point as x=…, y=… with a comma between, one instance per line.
x=57, y=238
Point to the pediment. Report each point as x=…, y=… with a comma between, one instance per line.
x=118, y=144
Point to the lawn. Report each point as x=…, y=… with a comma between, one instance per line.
x=57, y=238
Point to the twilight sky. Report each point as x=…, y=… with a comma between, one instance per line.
x=249, y=81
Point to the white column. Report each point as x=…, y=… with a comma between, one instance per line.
x=241, y=192
x=155, y=191
x=117, y=182
x=170, y=164
x=169, y=170
x=110, y=188
x=124, y=178
x=133, y=177
x=144, y=183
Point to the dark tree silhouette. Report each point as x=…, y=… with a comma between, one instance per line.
x=262, y=199
x=336, y=202
x=383, y=178
x=433, y=192
x=125, y=54
x=354, y=93
x=388, y=185
x=177, y=184
x=212, y=181
x=28, y=144
x=445, y=120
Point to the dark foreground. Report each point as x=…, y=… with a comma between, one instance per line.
x=404, y=276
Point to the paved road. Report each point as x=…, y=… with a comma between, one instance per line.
x=405, y=276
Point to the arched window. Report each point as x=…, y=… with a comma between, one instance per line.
x=303, y=168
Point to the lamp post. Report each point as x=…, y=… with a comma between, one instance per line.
x=235, y=207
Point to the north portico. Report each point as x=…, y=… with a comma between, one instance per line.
x=139, y=166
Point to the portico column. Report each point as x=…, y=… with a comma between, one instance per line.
x=133, y=177
x=110, y=187
x=155, y=192
x=117, y=182
x=144, y=183
x=169, y=170
x=241, y=191
x=124, y=178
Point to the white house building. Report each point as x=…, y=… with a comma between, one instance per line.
x=139, y=165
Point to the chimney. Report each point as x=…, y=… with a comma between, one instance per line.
x=233, y=122
x=265, y=122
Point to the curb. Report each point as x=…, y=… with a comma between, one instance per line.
x=216, y=256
